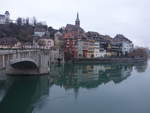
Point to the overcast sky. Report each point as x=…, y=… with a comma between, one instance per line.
x=128, y=17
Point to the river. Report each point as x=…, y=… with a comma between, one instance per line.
x=84, y=88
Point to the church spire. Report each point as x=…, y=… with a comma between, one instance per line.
x=77, y=17
x=77, y=22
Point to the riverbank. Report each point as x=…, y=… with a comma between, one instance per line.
x=107, y=60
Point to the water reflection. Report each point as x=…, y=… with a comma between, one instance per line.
x=141, y=67
x=91, y=76
x=22, y=93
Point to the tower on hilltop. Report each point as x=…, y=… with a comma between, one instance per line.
x=77, y=22
x=7, y=17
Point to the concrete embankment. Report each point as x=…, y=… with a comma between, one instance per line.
x=108, y=60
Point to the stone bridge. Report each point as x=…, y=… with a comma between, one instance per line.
x=26, y=62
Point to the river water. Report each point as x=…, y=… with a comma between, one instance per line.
x=84, y=88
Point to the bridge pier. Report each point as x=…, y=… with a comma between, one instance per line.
x=3, y=61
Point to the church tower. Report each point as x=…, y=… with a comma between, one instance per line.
x=77, y=22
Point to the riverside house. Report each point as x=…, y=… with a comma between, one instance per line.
x=8, y=42
x=45, y=43
x=123, y=44
x=89, y=49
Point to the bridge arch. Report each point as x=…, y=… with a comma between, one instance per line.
x=24, y=63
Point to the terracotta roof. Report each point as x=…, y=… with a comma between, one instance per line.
x=70, y=28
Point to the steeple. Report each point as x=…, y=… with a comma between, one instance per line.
x=77, y=22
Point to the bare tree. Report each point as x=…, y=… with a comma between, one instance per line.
x=27, y=21
x=19, y=21
x=34, y=21
x=139, y=52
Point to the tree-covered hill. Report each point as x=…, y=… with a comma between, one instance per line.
x=22, y=32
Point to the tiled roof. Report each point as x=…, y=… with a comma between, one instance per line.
x=70, y=28
x=121, y=38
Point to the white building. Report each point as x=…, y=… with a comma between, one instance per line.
x=58, y=39
x=89, y=49
x=82, y=47
x=97, y=51
x=45, y=43
x=5, y=18
x=40, y=31
x=79, y=47
x=127, y=47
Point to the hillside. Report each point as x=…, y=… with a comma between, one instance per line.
x=23, y=33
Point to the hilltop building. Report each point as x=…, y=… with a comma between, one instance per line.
x=5, y=18
x=40, y=31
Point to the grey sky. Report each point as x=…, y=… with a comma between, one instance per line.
x=128, y=17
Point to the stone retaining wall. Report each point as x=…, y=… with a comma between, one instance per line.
x=108, y=60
